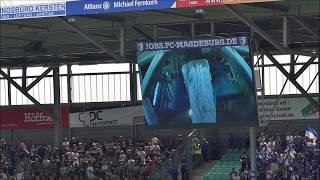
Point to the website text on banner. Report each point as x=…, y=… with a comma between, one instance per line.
x=31, y=118
x=108, y=117
x=286, y=109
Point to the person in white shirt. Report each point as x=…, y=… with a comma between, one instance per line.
x=154, y=140
x=289, y=138
x=90, y=173
x=65, y=144
x=122, y=157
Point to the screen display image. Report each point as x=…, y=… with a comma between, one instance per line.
x=197, y=82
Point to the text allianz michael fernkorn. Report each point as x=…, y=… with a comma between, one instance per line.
x=120, y=4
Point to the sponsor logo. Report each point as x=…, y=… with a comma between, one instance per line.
x=91, y=6
x=310, y=110
x=95, y=119
x=140, y=46
x=106, y=5
x=36, y=117
x=243, y=40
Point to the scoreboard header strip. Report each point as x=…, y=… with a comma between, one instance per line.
x=82, y=7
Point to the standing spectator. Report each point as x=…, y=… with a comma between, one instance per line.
x=214, y=147
x=197, y=153
x=184, y=169
x=244, y=162
x=205, y=150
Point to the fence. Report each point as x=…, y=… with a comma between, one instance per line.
x=183, y=152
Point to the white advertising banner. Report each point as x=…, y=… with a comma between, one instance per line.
x=268, y=110
x=108, y=117
x=286, y=109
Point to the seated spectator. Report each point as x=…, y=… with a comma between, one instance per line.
x=116, y=159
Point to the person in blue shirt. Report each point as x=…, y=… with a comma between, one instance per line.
x=184, y=169
x=174, y=173
x=204, y=150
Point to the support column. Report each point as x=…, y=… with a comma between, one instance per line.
x=9, y=104
x=9, y=88
x=24, y=78
x=70, y=97
x=133, y=83
x=212, y=29
x=292, y=64
x=253, y=148
x=263, y=77
x=319, y=80
x=285, y=35
x=57, y=106
x=122, y=42
x=193, y=30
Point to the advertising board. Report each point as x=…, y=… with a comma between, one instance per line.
x=108, y=117
x=30, y=118
x=286, y=109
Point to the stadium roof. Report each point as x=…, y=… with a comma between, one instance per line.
x=62, y=40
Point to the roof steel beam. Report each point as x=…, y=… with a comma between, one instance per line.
x=30, y=97
x=179, y=14
x=36, y=81
x=304, y=67
x=144, y=34
x=45, y=28
x=291, y=79
x=270, y=5
x=256, y=28
x=105, y=18
x=307, y=27
x=86, y=36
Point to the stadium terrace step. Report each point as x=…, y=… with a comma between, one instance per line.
x=221, y=169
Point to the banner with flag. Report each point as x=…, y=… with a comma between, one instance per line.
x=312, y=134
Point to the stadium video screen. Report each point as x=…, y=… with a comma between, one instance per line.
x=197, y=82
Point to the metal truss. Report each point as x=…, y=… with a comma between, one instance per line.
x=281, y=48
x=86, y=36
x=56, y=88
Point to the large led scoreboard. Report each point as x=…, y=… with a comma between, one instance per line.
x=208, y=81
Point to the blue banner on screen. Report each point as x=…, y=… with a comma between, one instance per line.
x=33, y=11
x=108, y=6
x=206, y=81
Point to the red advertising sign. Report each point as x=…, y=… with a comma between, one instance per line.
x=30, y=118
x=191, y=3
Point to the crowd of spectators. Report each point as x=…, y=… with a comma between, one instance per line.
x=292, y=157
x=117, y=159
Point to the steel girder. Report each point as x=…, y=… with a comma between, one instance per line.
x=144, y=34
x=291, y=79
x=25, y=93
x=86, y=36
x=256, y=28
x=307, y=27
x=39, y=78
